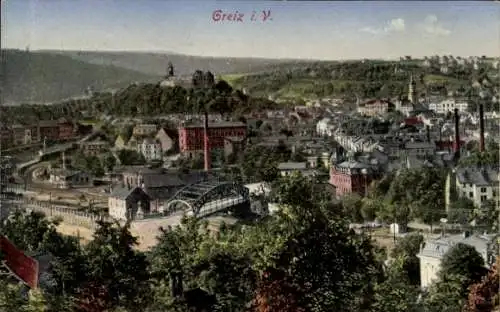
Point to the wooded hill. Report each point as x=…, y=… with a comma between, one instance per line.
x=29, y=77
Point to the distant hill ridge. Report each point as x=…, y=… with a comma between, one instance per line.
x=29, y=77
x=50, y=75
x=155, y=63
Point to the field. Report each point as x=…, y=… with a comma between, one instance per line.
x=231, y=78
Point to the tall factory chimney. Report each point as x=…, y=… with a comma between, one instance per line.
x=206, y=149
x=481, y=128
x=457, y=134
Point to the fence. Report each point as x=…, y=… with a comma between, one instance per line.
x=69, y=215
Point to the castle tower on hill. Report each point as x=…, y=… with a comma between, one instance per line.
x=169, y=79
x=412, y=90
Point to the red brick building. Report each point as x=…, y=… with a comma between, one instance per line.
x=66, y=129
x=351, y=177
x=191, y=137
x=56, y=130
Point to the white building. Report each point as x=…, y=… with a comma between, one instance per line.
x=433, y=250
x=449, y=105
x=324, y=127
x=477, y=184
x=150, y=149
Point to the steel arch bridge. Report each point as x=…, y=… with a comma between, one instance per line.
x=220, y=194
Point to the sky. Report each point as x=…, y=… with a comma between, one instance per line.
x=291, y=29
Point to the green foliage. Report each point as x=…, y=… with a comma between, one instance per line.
x=396, y=292
x=92, y=164
x=130, y=157
x=463, y=260
x=406, y=250
x=365, y=79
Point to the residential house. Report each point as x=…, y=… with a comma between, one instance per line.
x=24, y=134
x=477, y=184
x=94, y=148
x=120, y=142
x=432, y=252
x=144, y=130
x=124, y=203
x=166, y=140
x=150, y=149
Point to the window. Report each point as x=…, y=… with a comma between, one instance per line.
x=494, y=193
x=483, y=190
x=483, y=198
x=471, y=194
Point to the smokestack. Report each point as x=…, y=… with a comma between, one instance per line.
x=481, y=128
x=428, y=133
x=206, y=143
x=457, y=134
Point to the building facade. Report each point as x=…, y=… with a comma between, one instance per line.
x=351, y=177
x=477, y=184
x=433, y=250
x=448, y=106
x=150, y=149
x=191, y=138
x=375, y=108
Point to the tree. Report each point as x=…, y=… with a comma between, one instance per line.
x=320, y=263
x=445, y=295
x=461, y=211
x=483, y=296
x=407, y=249
x=117, y=274
x=352, y=205
x=396, y=292
x=463, y=261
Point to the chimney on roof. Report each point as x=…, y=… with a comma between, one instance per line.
x=206, y=143
x=481, y=128
x=457, y=134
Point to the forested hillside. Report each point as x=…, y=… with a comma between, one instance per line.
x=361, y=78
x=44, y=77
x=143, y=100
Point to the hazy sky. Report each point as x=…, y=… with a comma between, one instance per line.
x=322, y=30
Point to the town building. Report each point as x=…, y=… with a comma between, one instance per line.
x=128, y=203
x=150, y=149
x=24, y=134
x=351, y=176
x=66, y=129
x=94, y=148
x=191, y=137
x=287, y=168
x=448, y=106
x=144, y=130
x=166, y=140
x=65, y=178
x=432, y=252
x=477, y=184
x=375, y=107
x=48, y=130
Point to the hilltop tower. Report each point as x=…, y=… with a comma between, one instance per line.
x=412, y=90
x=170, y=70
